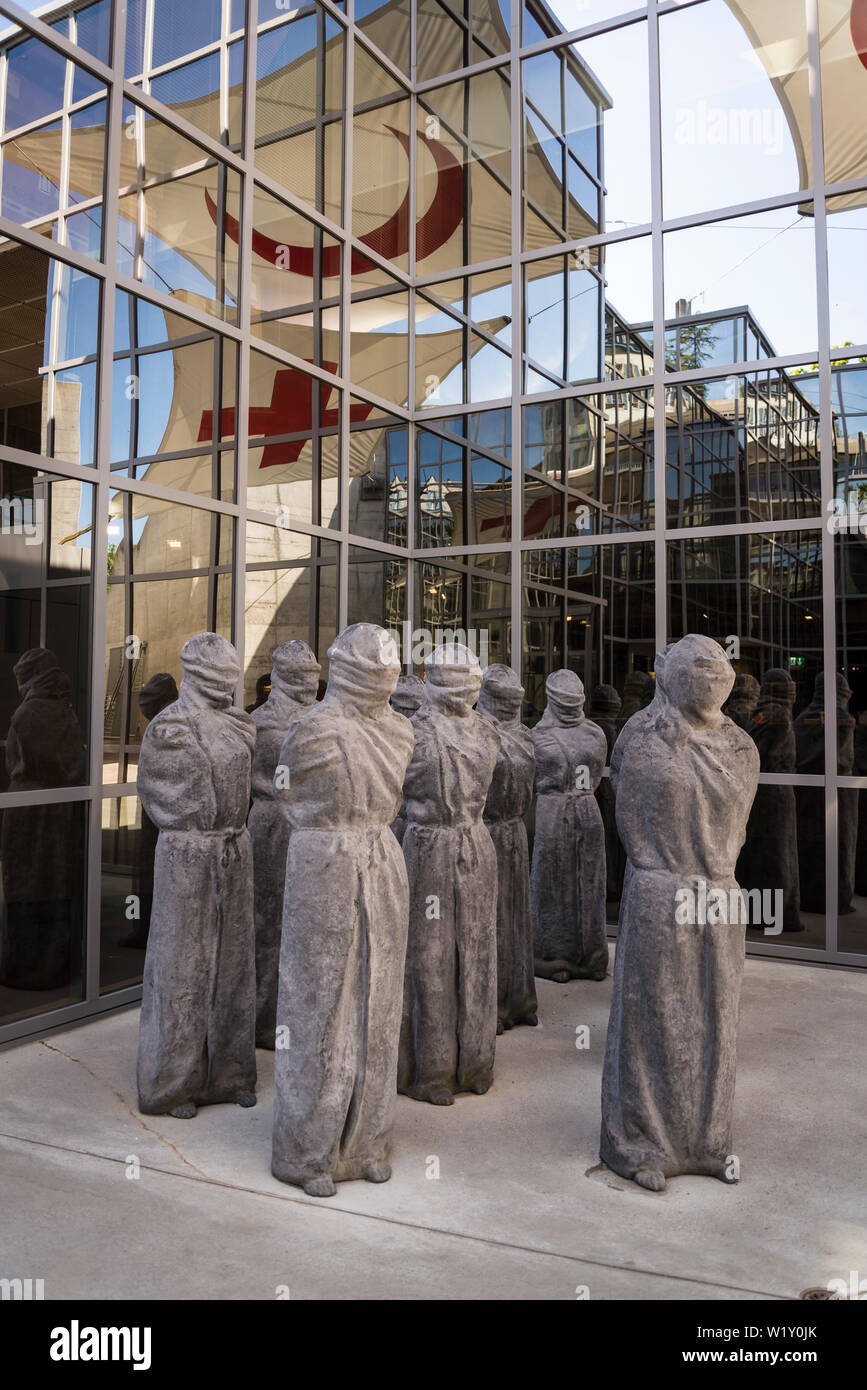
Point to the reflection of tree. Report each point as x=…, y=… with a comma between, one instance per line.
x=110, y=559
x=695, y=344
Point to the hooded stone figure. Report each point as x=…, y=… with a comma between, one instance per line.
x=155, y=695
x=769, y=858
x=294, y=682
x=743, y=700
x=567, y=881
x=810, y=749
x=344, y=923
x=450, y=1003
x=685, y=786
x=604, y=709
x=406, y=700
x=40, y=846
x=638, y=722
x=509, y=797
x=197, y=1041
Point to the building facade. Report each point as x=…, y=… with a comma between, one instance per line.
x=436, y=315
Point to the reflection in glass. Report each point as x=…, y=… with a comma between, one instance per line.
x=377, y=588
x=42, y=852
x=378, y=482
x=287, y=602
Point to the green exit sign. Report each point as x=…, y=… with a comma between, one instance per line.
x=797, y=661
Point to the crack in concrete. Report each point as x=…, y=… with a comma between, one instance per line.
x=138, y=1118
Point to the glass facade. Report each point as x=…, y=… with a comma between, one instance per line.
x=440, y=314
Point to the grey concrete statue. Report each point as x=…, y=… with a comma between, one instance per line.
x=406, y=700
x=450, y=1006
x=685, y=787
x=567, y=881
x=638, y=692
x=294, y=682
x=197, y=1041
x=344, y=924
x=509, y=799
x=638, y=721
x=769, y=858
x=156, y=693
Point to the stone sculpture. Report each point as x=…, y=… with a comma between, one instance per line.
x=41, y=846
x=406, y=700
x=685, y=786
x=769, y=858
x=567, y=881
x=604, y=709
x=450, y=1005
x=638, y=691
x=810, y=801
x=344, y=924
x=743, y=700
x=293, y=685
x=197, y=1032
x=638, y=721
x=156, y=694
x=509, y=797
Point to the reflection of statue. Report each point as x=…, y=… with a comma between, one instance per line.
x=40, y=846
x=154, y=696
x=197, y=1030
x=604, y=709
x=859, y=769
x=567, y=883
x=294, y=681
x=509, y=798
x=637, y=695
x=743, y=700
x=633, y=726
x=344, y=924
x=769, y=858
x=684, y=791
x=810, y=744
x=406, y=700
x=450, y=1006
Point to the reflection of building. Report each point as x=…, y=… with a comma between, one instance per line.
x=258, y=390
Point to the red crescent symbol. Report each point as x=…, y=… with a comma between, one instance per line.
x=391, y=238
x=858, y=25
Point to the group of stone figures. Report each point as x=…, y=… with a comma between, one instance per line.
x=377, y=916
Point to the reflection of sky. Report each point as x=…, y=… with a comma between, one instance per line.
x=761, y=266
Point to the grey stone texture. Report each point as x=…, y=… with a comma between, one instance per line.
x=508, y=801
x=450, y=1005
x=406, y=700
x=344, y=924
x=197, y=1029
x=685, y=785
x=294, y=683
x=568, y=878
x=156, y=693
x=604, y=710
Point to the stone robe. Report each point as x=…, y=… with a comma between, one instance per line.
x=344, y=943
x=508, y=801
x=269, y=831
x=568, y=876
x=197, y=1030
x=449, y=1029
x=669, y=1072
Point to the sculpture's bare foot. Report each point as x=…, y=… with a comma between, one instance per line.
x=378, y=1172
x=599, y=975
x=500, y=1027
x=651, y=1178
x=185, y=1111
x=439, y=1095
x=246, y=1098
x=531, y=1020
x=481, y=1085
x=561, y=977
x=320, y=1187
